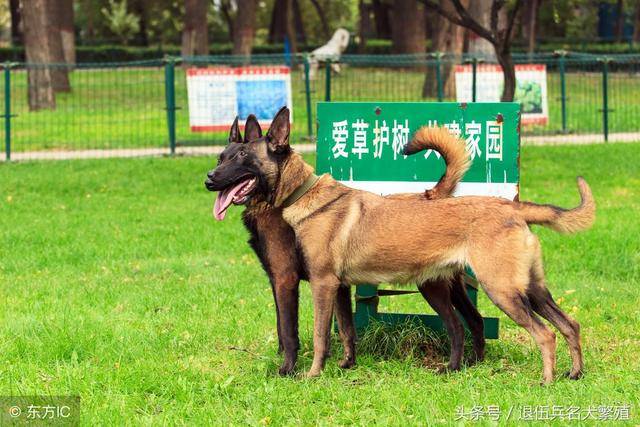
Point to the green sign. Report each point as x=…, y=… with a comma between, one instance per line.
x=360, y=144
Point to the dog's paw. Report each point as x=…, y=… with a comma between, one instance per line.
x=347, y=363
x=312, y=373
x=286, y=369
x=574, y=375
x=448, y=369
x=475, y=359
x=546, y=382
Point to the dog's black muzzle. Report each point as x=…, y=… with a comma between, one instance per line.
x=210, y=181
x=218, y=180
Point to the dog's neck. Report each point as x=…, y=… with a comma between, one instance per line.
x=294, y=173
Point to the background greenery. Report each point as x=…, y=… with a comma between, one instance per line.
x=125, y=107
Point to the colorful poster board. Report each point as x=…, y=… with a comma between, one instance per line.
x=217, y=95
x=531, y=88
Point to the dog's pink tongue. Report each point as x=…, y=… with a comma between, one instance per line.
x=224, y=199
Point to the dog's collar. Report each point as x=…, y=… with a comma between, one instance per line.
x=300, y=191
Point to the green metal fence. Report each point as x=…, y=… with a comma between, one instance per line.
x=140, y=108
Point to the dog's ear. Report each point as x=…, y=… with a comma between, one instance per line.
x=278, y=135
x=252, y=130
x=234, y=132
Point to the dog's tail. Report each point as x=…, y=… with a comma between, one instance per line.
x=563, y=220
x=452, y=149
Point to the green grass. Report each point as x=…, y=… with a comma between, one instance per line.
x=125, y=107
x=117, y=285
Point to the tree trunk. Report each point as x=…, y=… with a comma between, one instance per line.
x=508, y=70
x=363, y=26
x=89, y=11
x=41, y=95
x=408, y=27
x=529, y=22
x=59, y=71
x=323, y=17
x=225, y=9
x=195, y=36
x=67, y=31
x=291, y=32
x=16, y=34
x=244, y=27
x=636, y=25
x=481, y=11
x=298, y=24
x=448, y=38
x=140, y=9
x=278, y=24
x=619, y=25
x=381, y=13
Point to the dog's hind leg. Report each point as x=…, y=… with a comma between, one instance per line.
x=518, y=307
x=542, y=303
x=346, y=329
x=438, y=295
x=473, y=318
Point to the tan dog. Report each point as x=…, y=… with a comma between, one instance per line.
x=352, y=236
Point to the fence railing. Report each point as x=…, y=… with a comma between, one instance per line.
x=140, y=108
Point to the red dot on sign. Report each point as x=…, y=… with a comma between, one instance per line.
x=378, y=111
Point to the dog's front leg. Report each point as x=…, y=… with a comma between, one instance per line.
x=287, y=296
x=324, y=295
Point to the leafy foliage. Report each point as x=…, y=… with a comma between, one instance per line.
x=122, y=23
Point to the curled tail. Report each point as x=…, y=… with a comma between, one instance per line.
x=452, y=149
x=563, y=220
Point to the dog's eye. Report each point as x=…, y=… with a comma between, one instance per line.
x=242, y=153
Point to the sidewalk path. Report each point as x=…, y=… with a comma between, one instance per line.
x=300, y=148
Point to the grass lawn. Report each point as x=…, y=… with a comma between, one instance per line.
x=118, y=286
x=125, y=107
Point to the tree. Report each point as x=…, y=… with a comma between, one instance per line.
x=225, y=10
x=141, y=9
x=244, y=27
x=636, y=24
x=447, y=38
x=59, y=71
x=618, y=28
x=363, y=25
x=408, y=27
x=195, y=36
x=67, y=31
x=479, y=46
x=41, y=94
x=499, y=36
x=14, y=10
x=529, y=22
x=381, y=13
x=323, y=17
x=121, y=23
x=286, y=22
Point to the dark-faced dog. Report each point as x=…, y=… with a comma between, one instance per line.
x=242, y=180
